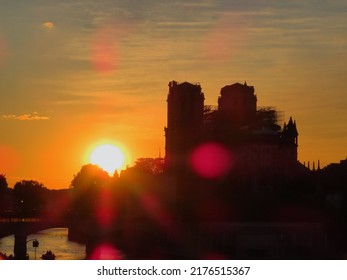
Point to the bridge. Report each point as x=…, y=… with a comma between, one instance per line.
x=21, y=227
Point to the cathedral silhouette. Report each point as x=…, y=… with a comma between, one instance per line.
x=252, y=135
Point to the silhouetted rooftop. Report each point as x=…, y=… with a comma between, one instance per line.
x=237, y=87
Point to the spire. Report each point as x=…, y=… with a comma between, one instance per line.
x=290, y=130
x=290, y=123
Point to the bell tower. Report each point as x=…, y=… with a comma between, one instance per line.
x=290, y=140
x=185, y=108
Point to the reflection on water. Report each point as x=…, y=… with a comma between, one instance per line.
x=54, y=239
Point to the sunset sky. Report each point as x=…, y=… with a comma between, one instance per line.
x=74, y=74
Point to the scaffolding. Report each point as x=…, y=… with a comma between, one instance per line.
x=210, y=112
x=269, y=114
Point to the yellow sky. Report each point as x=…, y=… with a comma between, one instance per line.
x=76, y=73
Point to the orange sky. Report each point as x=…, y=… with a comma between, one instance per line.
x=77, y=73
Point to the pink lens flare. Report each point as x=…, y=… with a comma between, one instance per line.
x=105, y=252
x=211, y=160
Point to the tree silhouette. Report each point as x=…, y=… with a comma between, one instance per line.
x=86, y=187
x=3, y=183
x=90, y=176
x=150, y=165
x=6, y=202
x=29, y=197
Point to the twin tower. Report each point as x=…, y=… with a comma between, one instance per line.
x=251, y=134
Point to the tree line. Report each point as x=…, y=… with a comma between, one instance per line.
x=30, y=198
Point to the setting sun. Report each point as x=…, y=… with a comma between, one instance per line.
x=108, y=157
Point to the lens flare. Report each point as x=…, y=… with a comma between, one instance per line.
x=105, y=49
x=211, y=160
x=224, y=39
x=48, y=25
x=105, y=252
x=9, y=159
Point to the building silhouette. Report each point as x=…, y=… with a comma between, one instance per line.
x=253, y=135
x=185, y=116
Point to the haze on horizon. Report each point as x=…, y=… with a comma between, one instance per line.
x=75, y=73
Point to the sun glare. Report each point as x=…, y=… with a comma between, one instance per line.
x=108, y=157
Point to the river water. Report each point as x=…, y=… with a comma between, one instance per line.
x=54, y=239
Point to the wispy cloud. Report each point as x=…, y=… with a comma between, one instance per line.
x=25, y=117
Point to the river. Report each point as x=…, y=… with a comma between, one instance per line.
x=54, y=239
